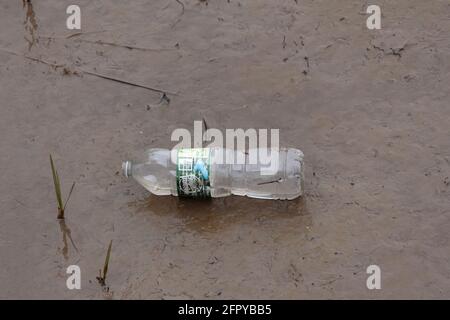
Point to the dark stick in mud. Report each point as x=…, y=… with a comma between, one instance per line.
x=57, y=185
x=95, y=74
x=102, y=276
x=53, y=65
x=129, y=47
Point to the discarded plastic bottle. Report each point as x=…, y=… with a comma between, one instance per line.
x=205, y=173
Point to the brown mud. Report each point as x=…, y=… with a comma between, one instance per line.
x=370, y=110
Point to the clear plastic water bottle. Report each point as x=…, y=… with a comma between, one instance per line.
x=205, y=173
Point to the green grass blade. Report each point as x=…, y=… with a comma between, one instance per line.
x=105, y=266
x=57, y=184
x=68, y=197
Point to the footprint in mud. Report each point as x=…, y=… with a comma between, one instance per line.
x=30, y=23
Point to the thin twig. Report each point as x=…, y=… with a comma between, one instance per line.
x=68, y=197
x=105, y=266
x=95, y=74
x=105, y=43
x=83, y=33
x=72, y=35
x=54, y=65
x=57, y=186
x=102, y=276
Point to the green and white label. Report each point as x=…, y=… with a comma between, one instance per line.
x=193, y=173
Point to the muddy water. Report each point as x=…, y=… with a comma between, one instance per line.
x=373, y=126
x=217, y=214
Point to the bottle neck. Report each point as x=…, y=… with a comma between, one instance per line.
x=126, y=168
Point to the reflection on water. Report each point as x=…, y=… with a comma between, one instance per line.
x=213, y=214
x=30, y=23
x=67, y=234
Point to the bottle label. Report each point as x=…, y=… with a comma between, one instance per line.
x=193, y=173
